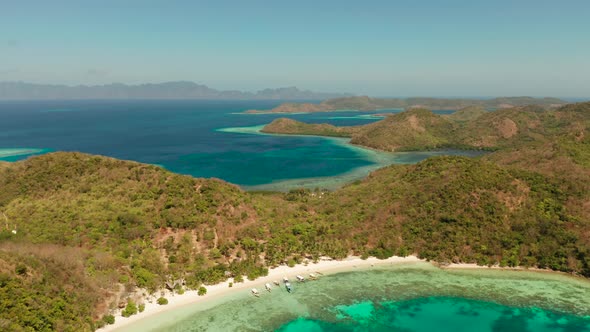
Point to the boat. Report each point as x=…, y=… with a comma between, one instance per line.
x=300, y=278
x=285, y=279
x=312, y=276
x=288, y=287
x=276, y=282
x=267, y=286
x=255, y=292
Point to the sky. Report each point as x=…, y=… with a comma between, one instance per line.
x=378, y=48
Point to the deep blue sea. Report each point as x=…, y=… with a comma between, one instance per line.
x=187, y=137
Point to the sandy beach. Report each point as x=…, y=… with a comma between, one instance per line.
x=219, y=290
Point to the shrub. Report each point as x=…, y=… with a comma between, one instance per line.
x=130, y=309
x=162, y=301
x=109, y=319
x=21, y=269
x=141, y=307
x=202, y=291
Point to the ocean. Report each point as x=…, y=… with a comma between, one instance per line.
x=198, y=138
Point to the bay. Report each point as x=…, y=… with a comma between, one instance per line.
x=400, y=297
x=192, y=137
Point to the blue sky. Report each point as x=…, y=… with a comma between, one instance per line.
x=379, y=48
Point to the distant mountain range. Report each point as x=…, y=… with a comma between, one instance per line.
x=166, y=90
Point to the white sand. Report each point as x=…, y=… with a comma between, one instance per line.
x=221, y=289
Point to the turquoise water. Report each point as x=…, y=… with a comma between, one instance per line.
x=185, y=137
x=374, y=160
x=406, y=297
x=15, y=154
x=439, y=314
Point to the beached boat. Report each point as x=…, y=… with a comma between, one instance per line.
x=255, y=292
x=285, y=279
x=312, y=276
x=276, y=282
x=267, y=286
x=288, y=287
x=300, y=278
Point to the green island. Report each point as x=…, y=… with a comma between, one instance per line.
x=82, y=231
x=365, y=103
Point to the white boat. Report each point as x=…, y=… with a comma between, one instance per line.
x=267, y=286
x=313, y=276
x=300, y=278
x=255, y=292
x=276, y=282
x=288, y=287
x=285, y=279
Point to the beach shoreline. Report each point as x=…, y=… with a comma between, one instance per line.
x=220, y=290
x=325, y=266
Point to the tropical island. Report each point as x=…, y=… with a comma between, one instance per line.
x=87, y=234
x=365, y=103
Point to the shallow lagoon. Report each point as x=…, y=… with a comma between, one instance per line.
x=373, y=160
x=405, y=297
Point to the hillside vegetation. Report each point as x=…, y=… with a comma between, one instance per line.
x=415, y=129
x=470, y=128
x=293, y=127
x=467, y=114
x=92, y=229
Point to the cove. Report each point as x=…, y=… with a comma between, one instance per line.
x=185, y=137
x=405, y=297
x=361, y=161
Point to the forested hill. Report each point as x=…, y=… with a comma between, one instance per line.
x=472, y=128
x=90, y=229
x=364, y=103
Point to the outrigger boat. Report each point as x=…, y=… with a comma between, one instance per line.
x=267, y=286
x=312, y=276
x=288, y=287
x=276, y=282
x=255, y=292
x=300, y=278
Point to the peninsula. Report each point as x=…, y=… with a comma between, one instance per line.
x=364, y=103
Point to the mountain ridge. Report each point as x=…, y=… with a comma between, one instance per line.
x=164, y=90
x=365, y=103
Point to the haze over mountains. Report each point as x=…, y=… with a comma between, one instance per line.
x=166, y=90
